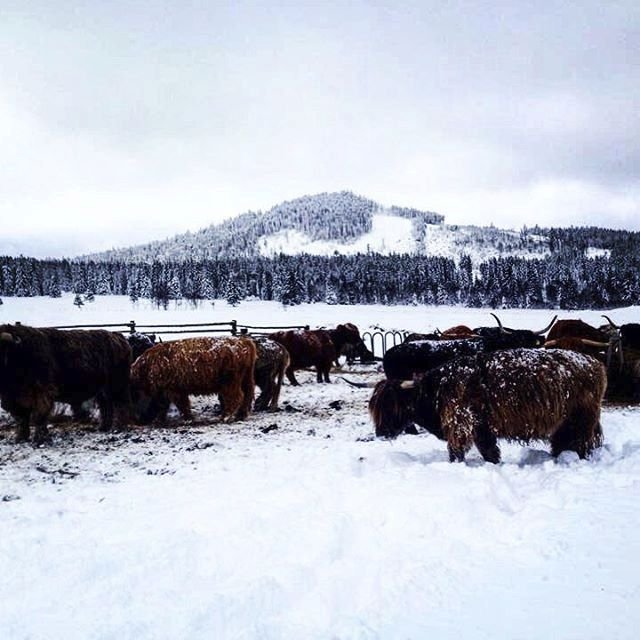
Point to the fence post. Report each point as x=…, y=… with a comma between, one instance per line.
x=234, y=327
x=132, y=326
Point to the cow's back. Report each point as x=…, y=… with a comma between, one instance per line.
x=198, y=366
x=520, y=384
x=307, y=348
x=87, y=361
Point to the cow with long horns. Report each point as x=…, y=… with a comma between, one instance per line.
x=39, y=367
x=575, y=328
x=519, y=394
x=501, y=337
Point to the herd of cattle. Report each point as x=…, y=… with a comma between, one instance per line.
x=466, y=386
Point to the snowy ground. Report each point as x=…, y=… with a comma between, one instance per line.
x=312, y=529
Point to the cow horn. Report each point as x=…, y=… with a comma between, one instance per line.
x=608, y=319
x=360, y=385
x=547, y=327
x=594, y=343
x=407, y=384
x=550, y=344
x=502, y=329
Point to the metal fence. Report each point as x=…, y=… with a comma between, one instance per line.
x=378, y=342
x=231, y=327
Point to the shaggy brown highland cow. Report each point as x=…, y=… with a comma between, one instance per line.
x=271, y=363
x=518, y=394
x=39, y=367
x=172, y=371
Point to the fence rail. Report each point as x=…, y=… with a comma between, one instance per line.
x=378, y=342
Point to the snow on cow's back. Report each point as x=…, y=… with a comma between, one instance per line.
x=181, y=363
x=573, y=373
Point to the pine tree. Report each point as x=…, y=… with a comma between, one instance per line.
x=292, y=290
x=232, y=292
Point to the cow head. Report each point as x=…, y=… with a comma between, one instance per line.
x=502, y=338
x=140, y=342
x=392, y=407
x=346, y=339
x=9, y=344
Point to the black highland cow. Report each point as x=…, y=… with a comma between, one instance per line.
x=519, y=394
x=39, y=367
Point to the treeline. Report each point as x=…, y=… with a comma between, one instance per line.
x=566, y=279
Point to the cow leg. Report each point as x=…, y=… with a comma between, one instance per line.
x=291, y=377
x=181, y=400
x=261, y=402
x=23, y=433
x=580, y=432
x=121, y=394
x=40, y=415
x=487, y=444
x=160, y=405
x=231, y=398
x=456, y=454
x=323, y=372
x=21, y=414
x=248, y=387
x=105, y=404
x=263, y=382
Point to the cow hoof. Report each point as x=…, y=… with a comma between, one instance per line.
x=42, y=436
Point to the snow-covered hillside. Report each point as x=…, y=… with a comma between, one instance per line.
x=299, y=525
x=392, y=234
x=389, y=234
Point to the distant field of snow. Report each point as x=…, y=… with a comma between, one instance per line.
x=44, y=311
x=299, y=525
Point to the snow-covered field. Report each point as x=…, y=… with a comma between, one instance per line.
x=312, y=529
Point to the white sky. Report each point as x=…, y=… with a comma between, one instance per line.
x=125, y=122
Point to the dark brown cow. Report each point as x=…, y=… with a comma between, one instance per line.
x=518, y=394
x=307, y=348
x=572, y=328
x=172, y=371
x=271, y=364
x=459, y=332
x=348, y=342
x=39, y=367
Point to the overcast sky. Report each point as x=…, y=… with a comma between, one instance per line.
x=123, y=122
